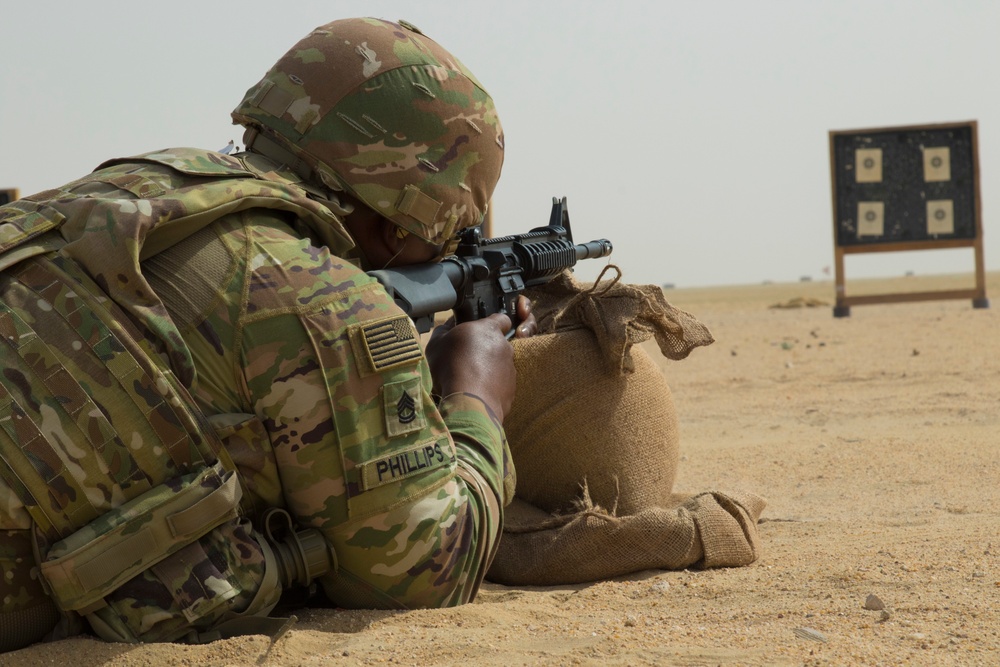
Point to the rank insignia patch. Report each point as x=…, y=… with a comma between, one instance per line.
x=391, y=343
x=405, y=408
x=402, y=404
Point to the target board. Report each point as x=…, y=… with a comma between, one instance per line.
x=906, y=188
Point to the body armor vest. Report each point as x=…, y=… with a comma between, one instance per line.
x=121, y=487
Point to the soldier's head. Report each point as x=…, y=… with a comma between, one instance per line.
x=381, y=113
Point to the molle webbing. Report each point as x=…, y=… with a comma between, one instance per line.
x=94, y=420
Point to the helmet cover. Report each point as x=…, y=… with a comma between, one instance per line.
x=379, y=110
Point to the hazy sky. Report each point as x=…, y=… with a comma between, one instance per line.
x=693, y=135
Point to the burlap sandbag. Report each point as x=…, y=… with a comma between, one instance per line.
x=573, y=420
x=593, y=433
x=710, y=529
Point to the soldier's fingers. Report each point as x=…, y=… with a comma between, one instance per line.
x=502, y=320
x=527, y=328
x=523, y=307
x=527, y=324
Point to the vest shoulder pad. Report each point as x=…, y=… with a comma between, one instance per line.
x=191, y=161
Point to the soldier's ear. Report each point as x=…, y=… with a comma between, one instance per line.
x=393, y=236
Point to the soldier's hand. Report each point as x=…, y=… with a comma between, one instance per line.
x=528, y=325
x=475, y=358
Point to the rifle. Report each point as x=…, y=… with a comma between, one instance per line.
x=486, y=276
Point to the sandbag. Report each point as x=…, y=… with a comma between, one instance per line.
x=594, y=437
x=591, y=405
x=574, y=421
x=710, y=529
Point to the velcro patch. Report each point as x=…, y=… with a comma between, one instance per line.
x=400, y=465
x=391, y=343
x=419, y=206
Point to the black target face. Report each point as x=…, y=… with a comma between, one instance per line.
x=888, y=183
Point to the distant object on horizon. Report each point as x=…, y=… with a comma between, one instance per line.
x=805, y=279
x=668, y=286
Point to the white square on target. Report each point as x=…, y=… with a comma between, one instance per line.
x=937, y=164
x=871, y=218
x=868, y=165
x=940, y=216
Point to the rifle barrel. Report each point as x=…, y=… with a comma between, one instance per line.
x=594, y=249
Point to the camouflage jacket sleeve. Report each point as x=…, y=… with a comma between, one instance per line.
x=479, y=438
x=410, y=495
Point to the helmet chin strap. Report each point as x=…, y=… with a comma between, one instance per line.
x=369, y=237
x=399, y=235
x=393, y=258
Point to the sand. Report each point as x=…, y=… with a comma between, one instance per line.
x=875, y=440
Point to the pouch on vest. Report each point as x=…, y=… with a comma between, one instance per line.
x=174, y=561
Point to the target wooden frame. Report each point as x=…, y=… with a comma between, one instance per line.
x=906, y=188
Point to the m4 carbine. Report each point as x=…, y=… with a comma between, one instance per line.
x=486, y=276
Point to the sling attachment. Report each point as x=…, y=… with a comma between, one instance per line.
x=301, y=555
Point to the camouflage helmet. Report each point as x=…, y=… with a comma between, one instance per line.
x=380, y=110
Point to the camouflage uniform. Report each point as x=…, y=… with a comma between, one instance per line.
x=188, y=344
x=334, y=373
x=307, y=371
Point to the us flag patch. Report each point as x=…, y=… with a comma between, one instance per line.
x=391, y=343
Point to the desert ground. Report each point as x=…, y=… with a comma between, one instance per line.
x=876, y=440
